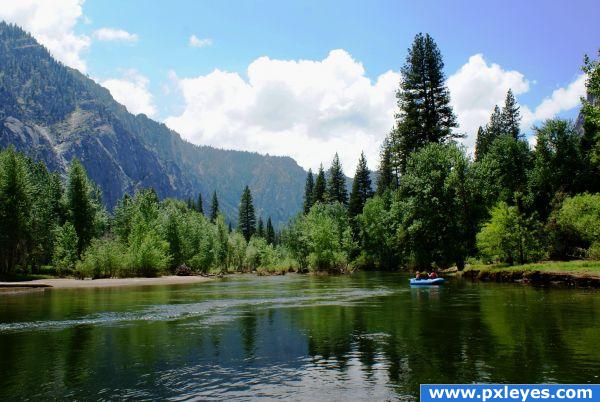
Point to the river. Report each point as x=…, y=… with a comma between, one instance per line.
x=367, y=336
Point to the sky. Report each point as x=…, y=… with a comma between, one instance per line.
x=310, y=78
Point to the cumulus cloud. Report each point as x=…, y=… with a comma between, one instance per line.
x=562, y=99
x=198, y=42
x=132, y=91
x=113, y=34
x=476, y=87
x=303, y=108
x=52, y=24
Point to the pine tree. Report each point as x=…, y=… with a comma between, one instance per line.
x=387, y=179
x=15, y=205
x=214, y=207
x=481, y=143
x=308, y=191
x=260, y=228
x=190, y=204
x=247, y=218
x=199, y=206
x=270, y=235
x=511, y=118
x=361, y=188
x=336, y=186
x=320, y=189
x=424, y=101
x=81, y=205
x=486, y=136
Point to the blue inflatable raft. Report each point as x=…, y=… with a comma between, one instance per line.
x=436, y=281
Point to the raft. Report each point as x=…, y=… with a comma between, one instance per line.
x=436, y=281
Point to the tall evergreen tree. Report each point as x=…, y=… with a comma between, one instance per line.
x=81, y=205
x=199, y=206
x=260, y=228
x=486, y=136
x=387, y=179
x=309, y=189
x=214, y=207
x=15, y=204
x=481, y=143
x=336, y=186
x=247, y=218
x=320, y=191
x=424, y=101
x=190, y=204
x=361, y=188
x=270, y=234
x=511, y=118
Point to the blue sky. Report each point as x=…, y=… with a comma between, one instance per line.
x=537, y=46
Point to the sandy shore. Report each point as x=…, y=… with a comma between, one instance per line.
x=62, y=283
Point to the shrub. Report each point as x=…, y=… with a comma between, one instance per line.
x=105, y=258
x=65, y=249
x=581, y=214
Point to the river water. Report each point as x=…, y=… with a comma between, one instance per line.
x=367, y=336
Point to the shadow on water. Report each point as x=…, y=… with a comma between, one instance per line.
x=365, y=336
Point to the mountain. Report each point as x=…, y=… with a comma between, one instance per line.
x=54, y=113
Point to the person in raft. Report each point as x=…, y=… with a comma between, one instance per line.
x=433, y=275
x=421, y=275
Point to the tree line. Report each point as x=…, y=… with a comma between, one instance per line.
x=432, y=205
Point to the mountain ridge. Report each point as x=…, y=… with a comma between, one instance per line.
x=55, y=113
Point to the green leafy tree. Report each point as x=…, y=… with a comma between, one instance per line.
x=336, y=185
x=214, y=207
x=425, y=113
x=379, y=243
x=320, y=191
x=309, y=189
x=509, y=236
x=590, y=116
x=361, y=188
x=15, y=209
x=65, y=250
x=270, y=234
x=581, y=214
x=247, y=217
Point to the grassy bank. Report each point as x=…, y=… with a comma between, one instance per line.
x=579, y=273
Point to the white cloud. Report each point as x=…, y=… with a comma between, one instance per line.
x=474, y=90
x=478, y=86
x=52, y=24
x=562, y=99
x=132, y=91
x=114, y=34
x=197, y=42
x=306, y=109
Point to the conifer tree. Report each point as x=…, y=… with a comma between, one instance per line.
x=309, y=189
x=320, y=190
x=190, y=204
x=481, y=143
x=486, y=136
x=270, y=235
x=425, y=113
x=247, y=218
x=336, y=186
x=214, y=207
x=511, y=118
x=260, y=228
x=387, y=179
x=81, y=205
x=361, y=188
x=199, y=206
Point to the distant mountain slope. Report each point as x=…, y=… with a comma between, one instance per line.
x=55, y=113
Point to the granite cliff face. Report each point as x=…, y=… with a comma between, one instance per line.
x=54, y=113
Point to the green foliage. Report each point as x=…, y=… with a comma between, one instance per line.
x=15, y=207
x=336, y=184
x=387, y=180
x=65, y=249
x=270, y=233
x=510, y=237
x=581, y=214
x=511, y=117
x=379, y=243
x=590, y=114
x=214, y=207
x=425, y=113
x=105, y=258
x=436, y=206
x=309, y=189
x=247, y=217
x=320, y=191
x=361, y=188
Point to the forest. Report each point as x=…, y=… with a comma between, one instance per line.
x=432, y=205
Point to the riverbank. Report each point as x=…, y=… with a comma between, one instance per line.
x=67, y=283
x=573, y=273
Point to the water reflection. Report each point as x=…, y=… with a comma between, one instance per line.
x=366, y=336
